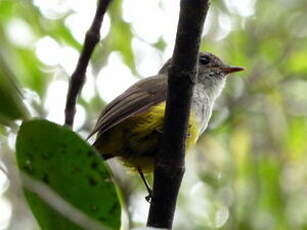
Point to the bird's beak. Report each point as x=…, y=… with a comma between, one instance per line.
x=231, y=69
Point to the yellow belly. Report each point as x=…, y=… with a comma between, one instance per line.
x=136, y=140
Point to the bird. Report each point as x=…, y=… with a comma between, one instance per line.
x=131, y=125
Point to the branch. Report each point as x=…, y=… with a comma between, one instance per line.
x=78, y=77
x=169, y=166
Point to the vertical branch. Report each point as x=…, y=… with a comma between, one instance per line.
x=78, y=77
x=169, y=165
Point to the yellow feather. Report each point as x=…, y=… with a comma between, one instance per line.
x=136, y=139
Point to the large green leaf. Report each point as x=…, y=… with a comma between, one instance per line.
x=59, y=158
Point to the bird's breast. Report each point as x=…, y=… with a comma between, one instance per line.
x=201, y=108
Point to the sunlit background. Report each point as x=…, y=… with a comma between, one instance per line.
x=248, y=172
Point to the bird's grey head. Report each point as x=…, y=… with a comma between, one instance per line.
x=211, y=72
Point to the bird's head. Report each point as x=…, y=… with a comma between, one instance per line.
x=209, y=66
x=211, y=72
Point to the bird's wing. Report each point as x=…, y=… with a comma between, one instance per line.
x=136, y=99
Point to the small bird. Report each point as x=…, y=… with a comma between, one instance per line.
x=131, y=125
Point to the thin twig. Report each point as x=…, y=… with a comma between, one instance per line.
x=78, y=77
x=169, y=166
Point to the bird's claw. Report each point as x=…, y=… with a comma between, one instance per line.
x=148, y=198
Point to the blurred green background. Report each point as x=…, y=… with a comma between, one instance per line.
x=247, y=172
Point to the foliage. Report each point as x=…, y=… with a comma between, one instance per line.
x=59, y=158
x=11, y=104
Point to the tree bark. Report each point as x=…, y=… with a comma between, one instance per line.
x=169, y=163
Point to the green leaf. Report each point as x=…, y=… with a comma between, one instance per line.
x=59, y=158
x=160, y=44
x=11, y=104
x=6, y=9
x=120, y=36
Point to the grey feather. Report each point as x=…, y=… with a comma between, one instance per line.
x=136, y=99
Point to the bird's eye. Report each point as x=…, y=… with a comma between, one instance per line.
x=204, y=60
